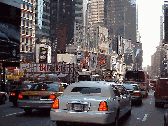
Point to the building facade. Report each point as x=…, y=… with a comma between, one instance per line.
x=62, y=23
x=27, y=39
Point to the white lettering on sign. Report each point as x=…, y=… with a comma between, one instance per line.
x=64, y=68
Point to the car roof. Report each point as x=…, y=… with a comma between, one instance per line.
x=90, y=84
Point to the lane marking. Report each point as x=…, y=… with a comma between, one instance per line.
x=13, y=114
x=145, y=116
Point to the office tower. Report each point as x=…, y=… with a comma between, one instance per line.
x=42, y=21
x=79, y=23
x=95, y=17
x=120, y=19
x=62, y=23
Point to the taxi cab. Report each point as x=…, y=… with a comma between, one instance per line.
x=40, y=96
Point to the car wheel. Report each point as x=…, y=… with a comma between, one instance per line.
x=3, y=99
x=140, y=102
x=15, y=103
x=28, y=110
x=61, y=123
x=165, y=123
x=116, y=118
x=156, y=104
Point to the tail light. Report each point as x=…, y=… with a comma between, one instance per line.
x=20, y=96
x=43, y=89
x=24, y=88
x=136, y=94
x=52, y=96
x=55, y=105
x=12, y=94
x=142, y=84
x=103, y=106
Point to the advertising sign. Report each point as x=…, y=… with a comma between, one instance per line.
x=10, y=20
x=48, y=68
x=43, y=55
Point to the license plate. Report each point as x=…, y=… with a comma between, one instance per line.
x=35, y=97
x=78, y=107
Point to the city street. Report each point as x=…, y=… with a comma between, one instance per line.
x=142, y=115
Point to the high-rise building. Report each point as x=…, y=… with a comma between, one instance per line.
x=95, y=16
x=79, y=22
x=27, y=38
x=120, y=18
x=42, y=21
x=62, y=23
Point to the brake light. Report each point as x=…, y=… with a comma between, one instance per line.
x=12, y=93
x=24, y=88
x=55, y=105
x=20, y=96
x=52, y=96
x=103, y=106
x=43, y=89
x=136, y=94
x=142, y=84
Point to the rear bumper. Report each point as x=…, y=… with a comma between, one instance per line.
x=85, y=117
x=34, y=104
x=136, y=98
x=12, y=98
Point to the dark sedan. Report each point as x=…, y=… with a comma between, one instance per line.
x=14, y=94
x=135, y=92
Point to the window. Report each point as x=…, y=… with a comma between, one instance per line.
x=22, y=47
x=30, y=49
x=46, y=87
x=30, y=41
x=27, y=32
x=27, y=23
x=86, y=90
x=24, y=14
x=26, y=48
x=23, y=39
x=23, y=31
x=26, y=40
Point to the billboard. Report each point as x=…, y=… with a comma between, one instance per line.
x=43, y=55
x=10, y=21
x=166, y=25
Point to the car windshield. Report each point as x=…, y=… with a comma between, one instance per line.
x=23, y=87
x=86, y=90
x=135, y=76
x=45, y=87
x=130, y=87
x=84, y=78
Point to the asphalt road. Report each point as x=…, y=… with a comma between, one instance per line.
x=142, y=115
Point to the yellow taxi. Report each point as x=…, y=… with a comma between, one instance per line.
x=40, y=96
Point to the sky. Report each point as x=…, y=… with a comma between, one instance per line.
x=149, y=12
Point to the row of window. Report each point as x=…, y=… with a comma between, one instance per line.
x=26, y=48
x=29, y=16
x=27, y=23
x=26, y=31
x=27, y=40
x=29, y=1
x=27, y=7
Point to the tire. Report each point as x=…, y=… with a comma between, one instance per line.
x=140, y=102
x=3, y=100
x=117, y=118
x=157, y=104
x=15, y=103
x=129, y=112
x=28, y=110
